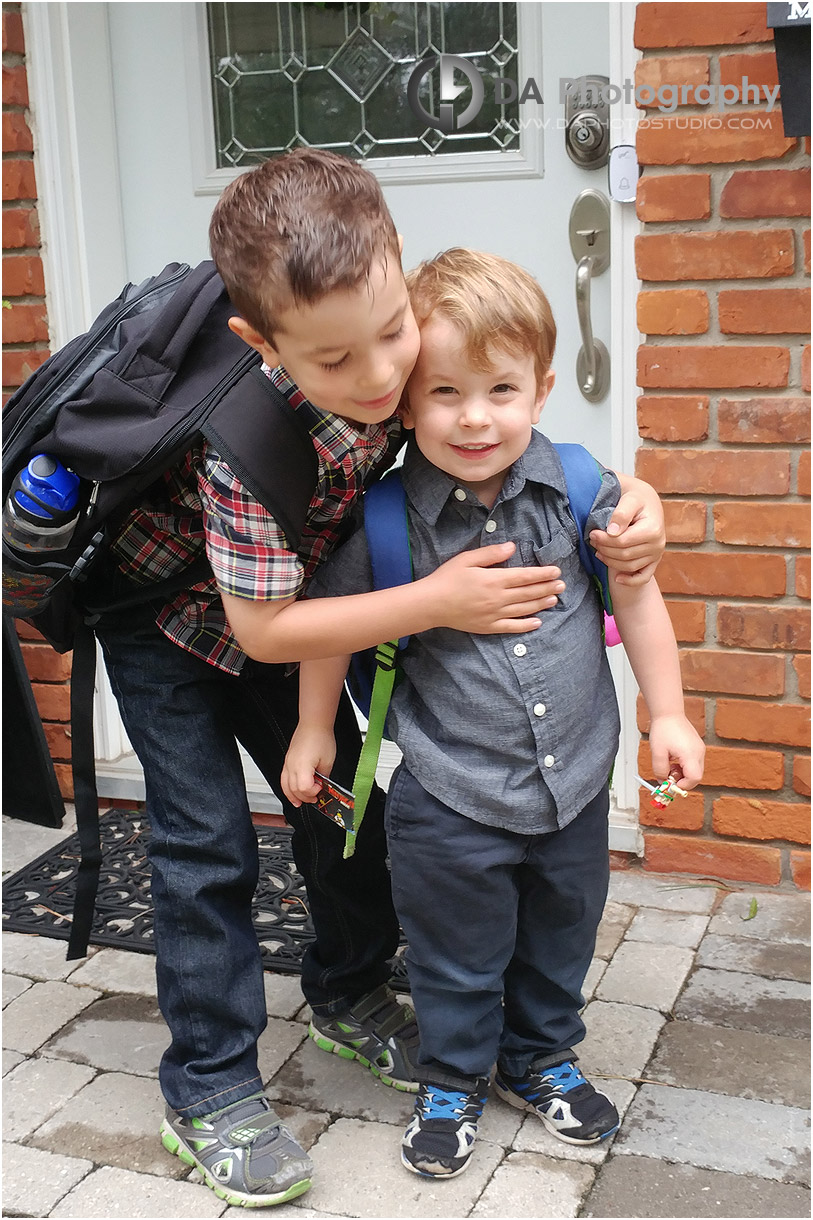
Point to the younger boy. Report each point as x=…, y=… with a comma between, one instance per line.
x=497, y=818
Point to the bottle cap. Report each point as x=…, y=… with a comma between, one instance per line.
x=46, y=490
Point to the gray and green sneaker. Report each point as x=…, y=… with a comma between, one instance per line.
x=379, y=1032
x=244, y=1152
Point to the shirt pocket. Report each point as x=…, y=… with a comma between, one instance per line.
x=559, y=548
x=562, y=552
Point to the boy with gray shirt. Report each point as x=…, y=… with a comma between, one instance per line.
x=497, y=818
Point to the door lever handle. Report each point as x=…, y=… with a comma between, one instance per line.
x=593, y=365
x=590, y=244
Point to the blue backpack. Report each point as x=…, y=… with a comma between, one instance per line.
x=373, y=672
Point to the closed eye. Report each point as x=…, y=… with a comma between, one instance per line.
x=336, y=364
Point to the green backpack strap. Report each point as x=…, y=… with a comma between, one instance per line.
x=387, y=530
x=386, y=664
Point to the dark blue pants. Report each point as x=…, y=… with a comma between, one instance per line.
x=501, y=929
x=184, y=718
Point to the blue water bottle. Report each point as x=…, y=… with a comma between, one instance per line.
x=41, y=510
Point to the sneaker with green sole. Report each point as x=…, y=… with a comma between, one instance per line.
x=244, y=1152
x=378, y=1032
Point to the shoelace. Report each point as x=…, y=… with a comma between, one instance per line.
x=440, y=1104
x=563, y=1077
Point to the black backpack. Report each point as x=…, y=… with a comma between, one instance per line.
x=158, y=371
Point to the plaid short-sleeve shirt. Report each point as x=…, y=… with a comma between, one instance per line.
x=202, y=504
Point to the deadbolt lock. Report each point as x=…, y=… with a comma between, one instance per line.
x=587, y=121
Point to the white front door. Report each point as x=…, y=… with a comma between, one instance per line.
x=141, y=102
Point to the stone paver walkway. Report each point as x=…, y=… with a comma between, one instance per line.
x=698, y=1027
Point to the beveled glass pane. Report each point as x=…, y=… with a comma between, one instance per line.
x=389, y=118
x=335, y=75
x=266, y=122
x=327, y=112
x=325, y=27
x=473, y=26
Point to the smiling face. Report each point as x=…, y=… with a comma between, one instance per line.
x=351, y=352
x=469, y=423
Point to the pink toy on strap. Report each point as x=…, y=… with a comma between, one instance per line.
x=611, y=636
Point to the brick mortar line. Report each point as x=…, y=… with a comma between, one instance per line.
x=714, y=224
x=729, y=342
x=714, y=48
x=773, y=283
x=794, y=158
x=714, y=337
x=730, y=446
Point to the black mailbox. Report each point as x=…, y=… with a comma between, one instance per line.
x=791, y=34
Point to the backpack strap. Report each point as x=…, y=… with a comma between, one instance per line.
x=583, y=478
x=266, y=443
x=83, y=673
x=387, y=529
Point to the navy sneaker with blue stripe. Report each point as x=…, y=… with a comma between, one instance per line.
x=571, y=1108
x=439, y=1140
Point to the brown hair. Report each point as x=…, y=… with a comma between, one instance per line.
x=296, y=228
x=495, y=304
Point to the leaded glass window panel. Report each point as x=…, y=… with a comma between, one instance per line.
x=335, y=76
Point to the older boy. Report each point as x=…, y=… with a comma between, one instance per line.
x=310, y=257
x=497, y=818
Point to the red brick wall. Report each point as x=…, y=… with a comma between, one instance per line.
x=723, y=422
x=724, y=256
x=25, y=346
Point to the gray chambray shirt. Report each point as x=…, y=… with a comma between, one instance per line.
x=515, y=731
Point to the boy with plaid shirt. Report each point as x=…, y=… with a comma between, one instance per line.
x=311, y=260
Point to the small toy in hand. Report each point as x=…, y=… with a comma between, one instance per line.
x=665, y=793
x=335, y=802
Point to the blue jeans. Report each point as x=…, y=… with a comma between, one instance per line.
x=184, y=718
x=501, y=928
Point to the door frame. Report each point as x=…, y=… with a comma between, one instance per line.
x=85, y=265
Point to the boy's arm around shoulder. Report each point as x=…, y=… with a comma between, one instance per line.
x=634, y=541
x=467, y=593
x=649, y=641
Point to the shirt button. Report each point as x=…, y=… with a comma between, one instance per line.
x=539, y=709
x=549, y=760
x=491, y=526
x=520, y=650
x=459, y=493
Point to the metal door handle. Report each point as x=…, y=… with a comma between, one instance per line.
x=590, y=243
x=593, y=368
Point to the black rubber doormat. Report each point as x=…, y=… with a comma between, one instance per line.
x=39, y=898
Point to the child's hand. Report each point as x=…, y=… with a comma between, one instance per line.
x=677, y=750
x=311, y=749
x=470, y=594
x=634, y=541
